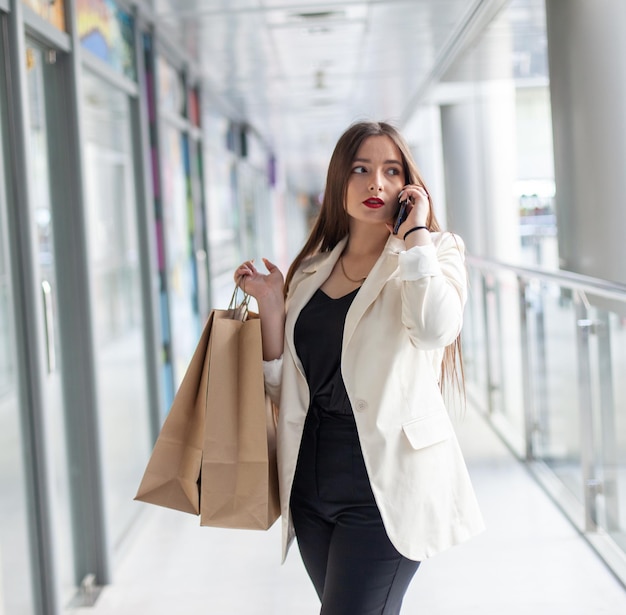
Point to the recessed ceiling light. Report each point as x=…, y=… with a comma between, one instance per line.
x=318, y=15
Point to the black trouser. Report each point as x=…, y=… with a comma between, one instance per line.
x=346, y=551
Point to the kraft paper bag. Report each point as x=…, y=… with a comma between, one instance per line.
x=216, y=453
x=173, y=471
x=239, y=486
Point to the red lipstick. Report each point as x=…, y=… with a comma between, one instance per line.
x=374, y=203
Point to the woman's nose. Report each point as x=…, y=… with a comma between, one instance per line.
x=376, y=185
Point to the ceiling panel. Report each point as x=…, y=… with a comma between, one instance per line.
x=301, y=71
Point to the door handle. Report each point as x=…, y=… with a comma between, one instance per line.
x=48, y=314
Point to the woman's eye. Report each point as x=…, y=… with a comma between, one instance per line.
x=359, y=169
x=394, y=171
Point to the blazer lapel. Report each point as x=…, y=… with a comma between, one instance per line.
x=378, y=276
x=319, y=271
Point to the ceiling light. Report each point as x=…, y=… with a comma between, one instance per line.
x=318, y=15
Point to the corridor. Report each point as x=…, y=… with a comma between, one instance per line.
x=530, y=561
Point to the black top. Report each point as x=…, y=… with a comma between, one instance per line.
x=318, y=336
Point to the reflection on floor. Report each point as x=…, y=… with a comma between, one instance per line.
x=529, y=561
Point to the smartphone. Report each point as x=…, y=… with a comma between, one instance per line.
x=402, y=214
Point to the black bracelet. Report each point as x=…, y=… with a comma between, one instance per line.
x=415, y=228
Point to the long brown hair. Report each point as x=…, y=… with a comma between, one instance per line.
x=332, y=223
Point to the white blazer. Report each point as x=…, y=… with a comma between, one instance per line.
x=409, y=308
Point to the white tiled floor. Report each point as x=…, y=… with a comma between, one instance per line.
x=529, y=561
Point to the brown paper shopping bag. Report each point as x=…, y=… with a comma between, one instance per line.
x=173, y=471
x=216, y=453
x=239, y=486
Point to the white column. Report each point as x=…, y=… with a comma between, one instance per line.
x=587, y=59
x=478, y=136
x=464, y=205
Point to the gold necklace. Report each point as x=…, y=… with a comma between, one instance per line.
x=347, y=276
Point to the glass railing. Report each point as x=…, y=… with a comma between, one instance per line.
x=545, y=360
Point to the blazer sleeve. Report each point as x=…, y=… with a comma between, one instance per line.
x=434, y=291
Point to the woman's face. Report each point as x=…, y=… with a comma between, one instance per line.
x=376, y=177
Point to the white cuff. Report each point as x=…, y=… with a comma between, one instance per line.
x=419, y=262
x=272, y=371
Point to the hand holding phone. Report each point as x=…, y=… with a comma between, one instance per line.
x=402, y=214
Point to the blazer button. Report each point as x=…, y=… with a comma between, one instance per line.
x=361, y=405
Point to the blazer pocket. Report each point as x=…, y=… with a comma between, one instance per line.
x=427, y=430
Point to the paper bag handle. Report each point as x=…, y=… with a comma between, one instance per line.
x=239, y=309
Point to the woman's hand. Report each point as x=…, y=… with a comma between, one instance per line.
x=418, y=212
x=258, y=285
x=267, y=289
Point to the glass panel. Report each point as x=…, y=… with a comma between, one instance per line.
x=166, y=354
x=247, y=192
x=473, y=337
x=576, y=365
x=196, y=195
x=493, y=348
x=178, y=231
x=44, y=232
x=608, y=366
x=116, y=298
x=615, y=463
x=222, y=213
x=510, y=368
x=555, y=368
x=108, y=32
x=492, y=337
x=171, y=88
x=16, y=582
x=52, y=11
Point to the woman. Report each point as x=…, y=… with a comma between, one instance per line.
x=355, y=344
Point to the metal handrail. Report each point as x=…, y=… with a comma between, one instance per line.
x=584, y=283
x=599, y=454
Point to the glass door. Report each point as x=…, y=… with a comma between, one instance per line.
x=178, y=227
x=178, y=216
x=118, y=319
x=16, y=582
x=39, y=75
